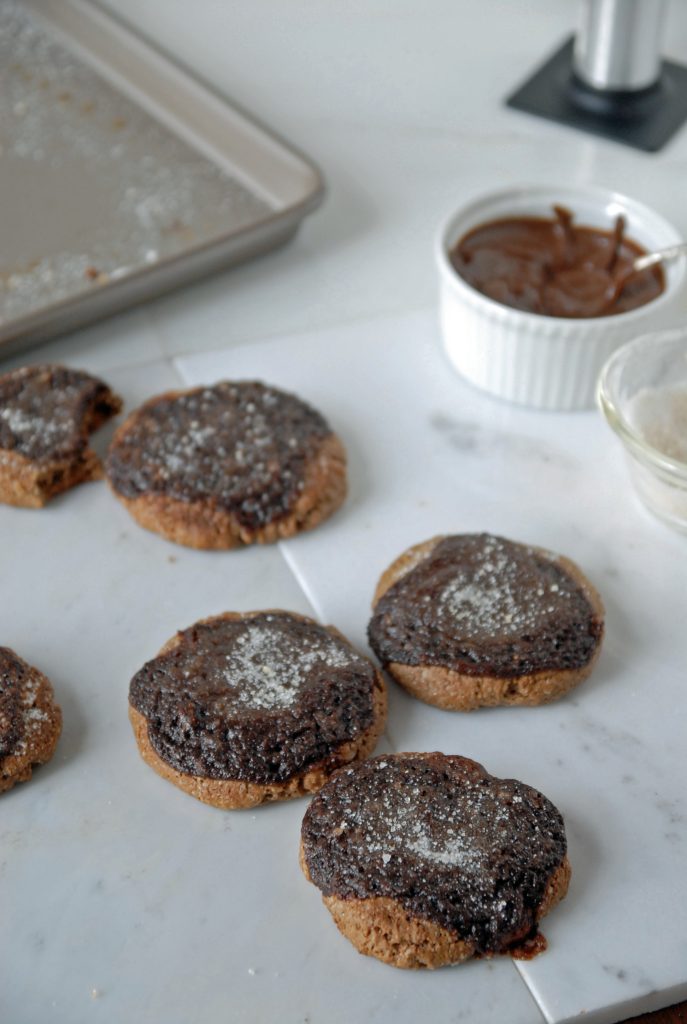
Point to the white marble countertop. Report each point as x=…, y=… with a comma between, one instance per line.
x=400, y=104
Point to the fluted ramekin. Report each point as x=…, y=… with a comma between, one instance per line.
x=545, y=362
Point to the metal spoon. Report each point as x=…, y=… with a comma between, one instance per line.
x=650, y=259
x=597, y=287
x=640, y=263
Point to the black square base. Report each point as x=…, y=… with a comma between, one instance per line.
x=550, y=93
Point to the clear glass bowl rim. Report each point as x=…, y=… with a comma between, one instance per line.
x=611, y=408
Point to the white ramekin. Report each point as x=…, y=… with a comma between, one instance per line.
x=544, y=362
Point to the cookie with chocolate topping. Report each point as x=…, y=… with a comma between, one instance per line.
x=241, y=709
x=47, y=414
x=30, y=720
x=425, y=860
x=232, y=464
x=474, y=620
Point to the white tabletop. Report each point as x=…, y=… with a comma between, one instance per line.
x=401, y=105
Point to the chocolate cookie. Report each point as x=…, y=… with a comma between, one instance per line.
x=30, y=720
x=47, y=414
x=227, y=465
x=425, y=860
x=474, y=620
x=241, y=709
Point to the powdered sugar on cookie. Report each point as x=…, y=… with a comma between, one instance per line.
x=483, y=606
x=30, y=721
x=33, y=717
x=243, y=444
x=267, y=669
x=21, y=720
x=489, y=598
x=43, y=410
x=443, y=840
x=260, y=696
x=27, y=427
x=460, y=835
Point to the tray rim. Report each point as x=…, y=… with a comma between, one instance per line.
x=224, y=250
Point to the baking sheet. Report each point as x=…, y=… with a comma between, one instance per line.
x=120, y=174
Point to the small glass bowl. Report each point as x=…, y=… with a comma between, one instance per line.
x=642, y=392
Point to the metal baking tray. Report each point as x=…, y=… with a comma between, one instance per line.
x=122, y=175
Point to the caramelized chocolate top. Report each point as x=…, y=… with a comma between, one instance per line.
x=47, y=412
x=450, y=843
x=483, y=605
x=261, y=698
x=244, y=445
x=19, y=716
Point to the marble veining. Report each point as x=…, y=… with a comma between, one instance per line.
x=112, y=879
x=473, y=438
x=611, y=755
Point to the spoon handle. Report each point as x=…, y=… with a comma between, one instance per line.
x=660, y=256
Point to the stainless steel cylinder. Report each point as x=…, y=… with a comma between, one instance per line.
x=618, y=45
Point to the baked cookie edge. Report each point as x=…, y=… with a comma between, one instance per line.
x=205, y=525
x=454, y=691
x=229, y=794
x=380, y=927
x=41, y=745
